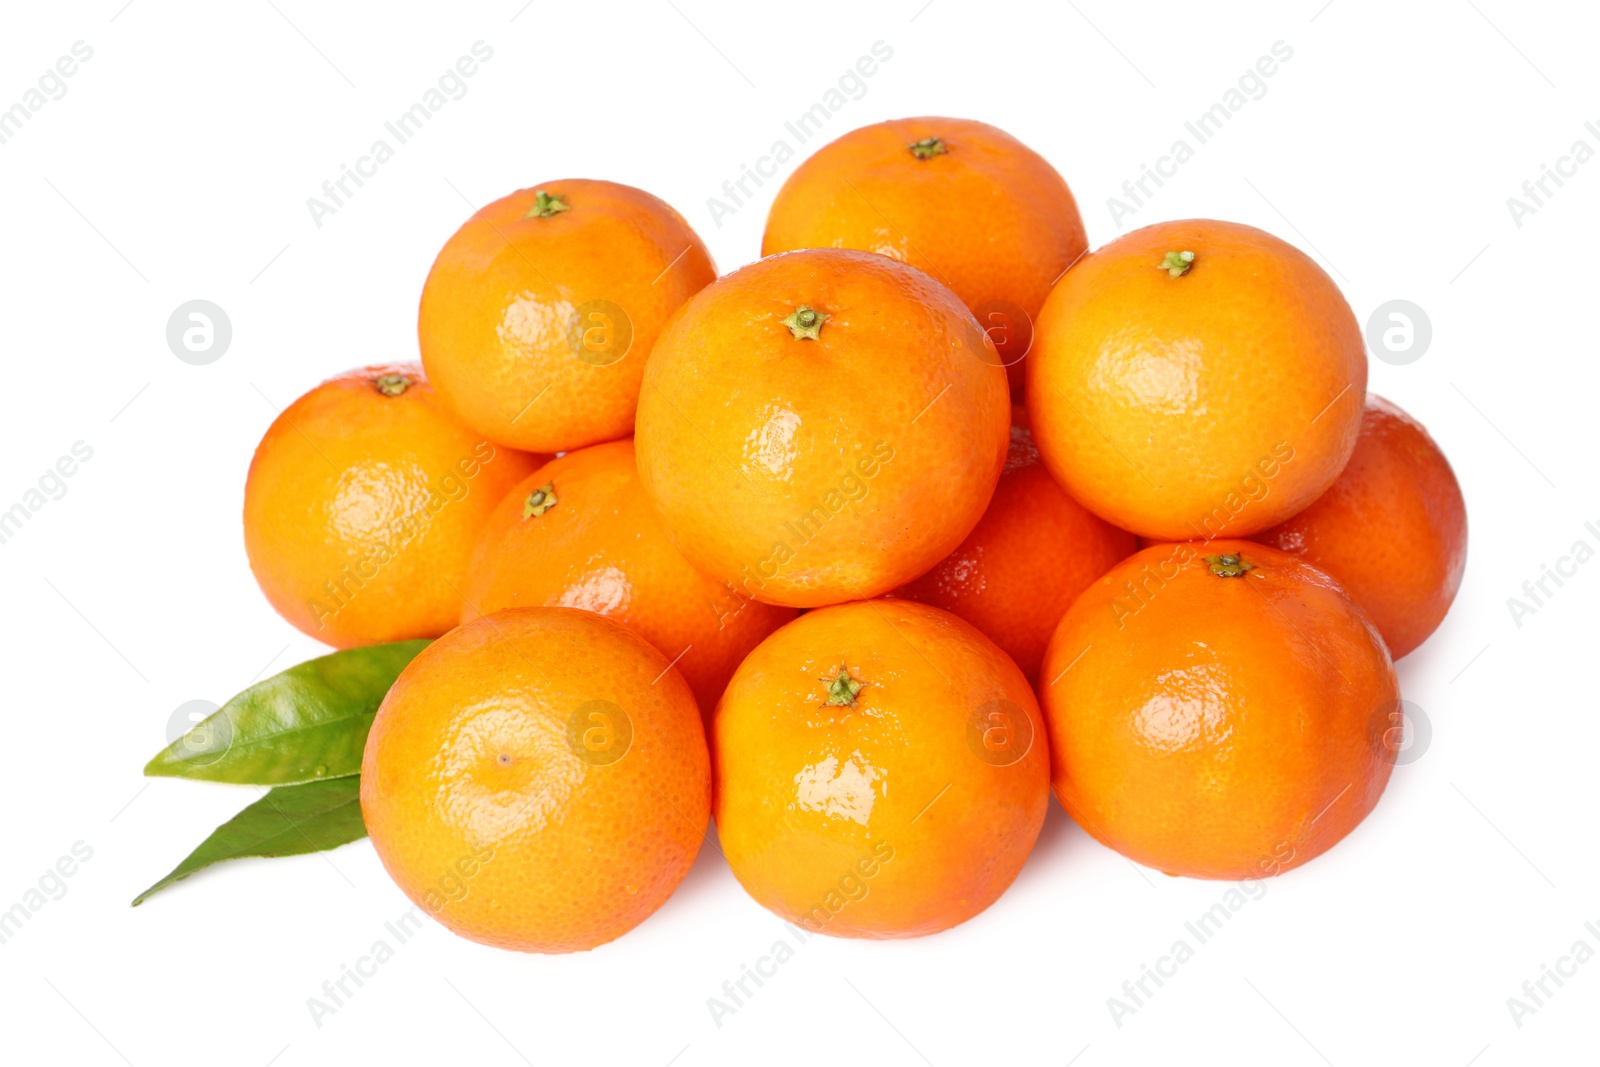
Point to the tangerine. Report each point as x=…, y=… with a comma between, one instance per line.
x=1196, y=379
x=539, y=312
x=1218, y=710
x=821, y=426
x=537, y=780
x=880, y=770
x=363, y=503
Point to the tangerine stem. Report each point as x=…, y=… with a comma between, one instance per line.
x=539, y=501
x=1232, y=565
x=392, y=384
x=805, y=323
x=1176, y=264
x=546, y=204
x=842, y=689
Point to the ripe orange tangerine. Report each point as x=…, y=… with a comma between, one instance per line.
x=880, y=770
x=1218, y=710
x=539, y=312
x=1196, y=379
x=821, y=426
x=363, y=504
x=537, y=780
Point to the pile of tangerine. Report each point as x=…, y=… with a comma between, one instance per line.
x=923, y=514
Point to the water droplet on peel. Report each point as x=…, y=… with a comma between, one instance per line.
x=321, y=770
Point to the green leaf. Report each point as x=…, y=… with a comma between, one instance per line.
x=290, y=820
x=304, y=725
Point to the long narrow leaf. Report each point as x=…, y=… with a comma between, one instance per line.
x=306, y=724
x=290, y=820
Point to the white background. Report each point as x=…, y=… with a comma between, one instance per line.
x=177, y=166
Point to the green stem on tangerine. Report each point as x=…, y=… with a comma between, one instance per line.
x=1176, y=264
x=1232, y=565
x=927, y=148
x=539, y=501
x=805, y=322
x=842, y=689
x=392, y=384
x=546, y=204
